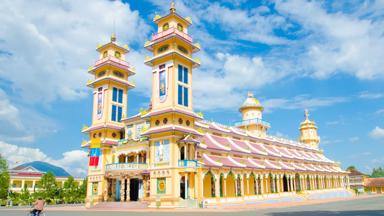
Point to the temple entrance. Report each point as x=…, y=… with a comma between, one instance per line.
x=117, y=190
x=297, y=181
x=182, y=187
x=134, y=189
x=285, y=184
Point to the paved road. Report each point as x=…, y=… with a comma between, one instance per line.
x=363, y=207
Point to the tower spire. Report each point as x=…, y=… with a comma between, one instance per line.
x=306, y=114
x=172, y=9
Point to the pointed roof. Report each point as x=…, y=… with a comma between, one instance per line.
x=251, y=102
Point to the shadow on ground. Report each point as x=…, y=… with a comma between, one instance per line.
x=326, y=213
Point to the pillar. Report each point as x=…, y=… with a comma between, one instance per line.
x=278, y=184
x=217, y=185
x=122, y=189
x=186, y=185
x=225, y=187
x=247, y=179
x=291, y=182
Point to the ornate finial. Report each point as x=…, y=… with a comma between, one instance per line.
x=172, y=9
x=250, y=94
x=113, y=37
x=306, y=114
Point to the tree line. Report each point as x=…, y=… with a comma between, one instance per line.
x=46, y=188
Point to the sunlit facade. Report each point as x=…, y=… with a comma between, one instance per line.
x=170, y=156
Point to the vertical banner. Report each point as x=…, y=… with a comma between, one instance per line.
x=162, y=83
x=162, y=151
x=100, y=96
x=94, y=152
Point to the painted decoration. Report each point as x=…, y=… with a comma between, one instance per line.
x=161, y=185
x=100, y=96
x=162, y=85
x=162, y=151
x=94, y=152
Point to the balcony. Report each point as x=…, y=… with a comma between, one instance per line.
x=115, y=61
x=172, y=31
x=188, y=163
x=125, y=166
x=252, y=121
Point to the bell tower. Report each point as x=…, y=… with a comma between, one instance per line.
x=172, y=121
x=172, y=62
x=110, y=87
x=308, y=131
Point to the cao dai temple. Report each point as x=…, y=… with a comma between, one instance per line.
x=169, y=156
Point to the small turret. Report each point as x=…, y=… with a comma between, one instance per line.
x=252, y=115
x=308, y=131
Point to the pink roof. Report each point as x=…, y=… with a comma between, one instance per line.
x=226, y=161
x=256, y=163
x=170, y=128
x=209, y=162
x=271, y=164
x=257, y=148
x=212, y=143
x=286, y=166
x=271, y=150
x=308, y=167
x=237, y=145
x=285, y=153
x=298, y=166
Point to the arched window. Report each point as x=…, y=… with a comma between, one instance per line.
x=180, y=27
x=182, y=49
x=117, y=54
x=165, y=26
x=163, y=48
x=118, y=74
x=105, y=54
x=182, y=155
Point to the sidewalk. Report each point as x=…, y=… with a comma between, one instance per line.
x=248, y=207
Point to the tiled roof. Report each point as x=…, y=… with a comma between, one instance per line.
x=374, y=182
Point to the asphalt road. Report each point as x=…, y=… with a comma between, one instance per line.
x=363, y=207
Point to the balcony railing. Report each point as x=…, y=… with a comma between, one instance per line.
x=172, y=31
x=188, y=163
x=125, y=166
x=113, y=59
x=252, y=121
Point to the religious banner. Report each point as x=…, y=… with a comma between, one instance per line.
x=161, y=185
x=100, y=96
x=162, y=85
x=162, y=151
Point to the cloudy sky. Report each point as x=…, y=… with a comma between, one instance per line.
x=327, y=56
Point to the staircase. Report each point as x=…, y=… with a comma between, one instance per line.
x=121, y=205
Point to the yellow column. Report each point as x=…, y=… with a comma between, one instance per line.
x=247, y=179
x=225, y=187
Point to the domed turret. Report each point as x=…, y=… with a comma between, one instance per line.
x=308, y=131
x=252, y=114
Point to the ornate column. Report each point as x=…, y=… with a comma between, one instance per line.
x=217, y=185
x=247, y=179
x=292, y=185
x=278, y=184
x=122, y=189
x=225, y=186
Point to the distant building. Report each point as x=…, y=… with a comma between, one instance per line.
x=374, y=185
x=356, y=180
x=29, y=174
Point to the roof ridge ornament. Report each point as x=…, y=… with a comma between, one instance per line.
x=306, y=114
x=172, y=9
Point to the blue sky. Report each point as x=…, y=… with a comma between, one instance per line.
x=326, y=56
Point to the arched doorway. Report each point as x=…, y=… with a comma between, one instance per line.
x=297, y=182
x=209, y=185
x=308, y=183
x=221, y=183
x=182, y=153
x=271, y=183
x=285, y=183
x=230, y=185
x=182, y=187
x=252, y=184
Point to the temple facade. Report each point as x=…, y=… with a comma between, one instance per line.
x=170, y=156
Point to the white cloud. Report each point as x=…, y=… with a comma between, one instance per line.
x=50, y=44
x=370, y=95
x=377, y=133
x=75, y=162
x=337, y=42
x=302, y=102
x=229, y=77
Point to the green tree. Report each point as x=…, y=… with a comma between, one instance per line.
x=4, y=178
x=351, y=168
x=48, y=186
x=70, y=190
x=377, y=172
x=25, y=196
